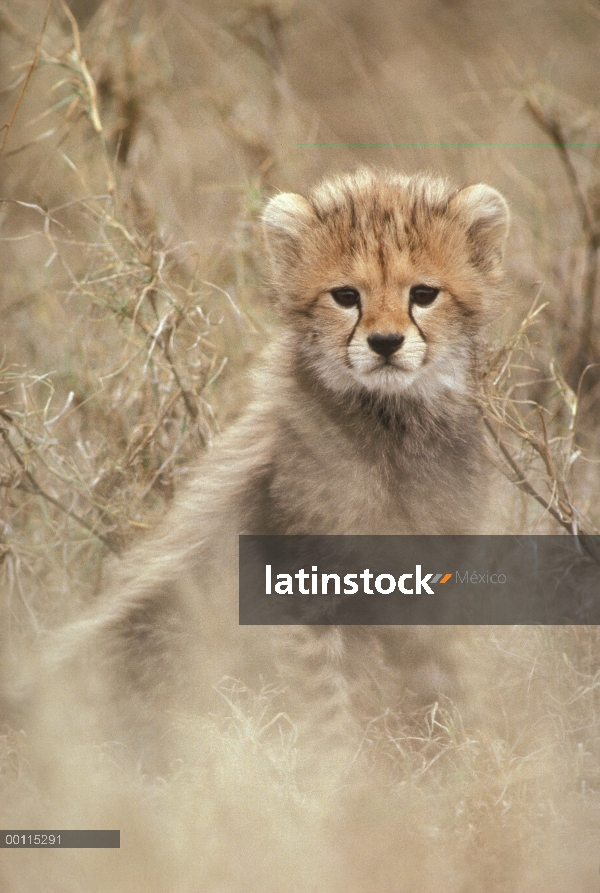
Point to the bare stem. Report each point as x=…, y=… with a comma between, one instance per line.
x=520, y=480
x=38, y=490
x=587, y=343
x=7, y=127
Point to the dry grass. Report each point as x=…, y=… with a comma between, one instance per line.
x=136, y=158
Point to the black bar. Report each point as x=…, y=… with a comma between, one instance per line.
x=419, y=580
x=18, y=840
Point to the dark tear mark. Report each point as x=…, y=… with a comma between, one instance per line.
x=351, y=335
x=415, y=323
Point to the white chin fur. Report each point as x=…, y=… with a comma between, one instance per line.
x=427, y=380
x=385, y=379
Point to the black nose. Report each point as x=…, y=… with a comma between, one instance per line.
x=385, y=345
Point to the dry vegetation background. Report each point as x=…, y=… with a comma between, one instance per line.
x=136, y=156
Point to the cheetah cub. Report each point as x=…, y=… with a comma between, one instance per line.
x=364, y=422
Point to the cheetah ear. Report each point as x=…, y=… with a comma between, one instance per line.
x=288, y=213
x=287, y=219
x=487, y=217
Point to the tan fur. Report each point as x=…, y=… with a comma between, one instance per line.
x=337, y=441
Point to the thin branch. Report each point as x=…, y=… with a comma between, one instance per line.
x=7, y=127
x=38, y=490
x=552, y=127
x=521, y=481
x=587, y=343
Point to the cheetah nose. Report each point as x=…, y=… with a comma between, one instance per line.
x=385, y=345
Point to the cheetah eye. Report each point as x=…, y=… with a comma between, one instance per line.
x=345, y=296
x=423, y=295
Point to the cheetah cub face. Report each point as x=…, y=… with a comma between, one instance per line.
x=385, y=279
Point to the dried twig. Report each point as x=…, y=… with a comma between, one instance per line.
x=588, y=348
x=520, y=480
x=556, y=451
x=7, y=127
x=35, y=488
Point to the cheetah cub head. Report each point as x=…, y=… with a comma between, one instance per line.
x=384, y=280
